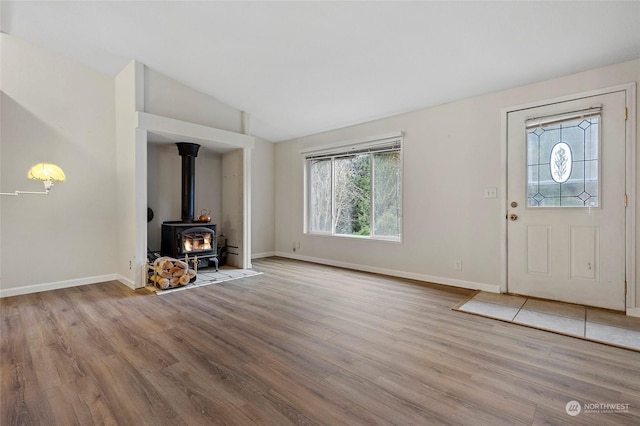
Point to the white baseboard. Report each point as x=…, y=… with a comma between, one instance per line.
x=261, y=255
x=36, y=288
x=126, y=281
x=492, y=288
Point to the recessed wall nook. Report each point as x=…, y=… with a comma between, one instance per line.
x=147, y=156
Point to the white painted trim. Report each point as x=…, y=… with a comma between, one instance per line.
x=631, y=169
x=492, y=288
x=572, y=97
x=246, y=209
x=263, y=255
x=633, y=312
x=305, y=195
x=37, y=288
x=124, y=280
x=504, y=162
x=246, y=194
x=158, y=123
x=140, y=172
x=632, y=202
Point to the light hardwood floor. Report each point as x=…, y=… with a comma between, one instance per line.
x=300, y=344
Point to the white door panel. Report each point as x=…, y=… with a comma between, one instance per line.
x=566, y=186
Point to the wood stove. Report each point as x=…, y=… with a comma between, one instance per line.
x=189, y=239
x=186, y=237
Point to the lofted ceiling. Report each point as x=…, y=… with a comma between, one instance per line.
x=300, y=68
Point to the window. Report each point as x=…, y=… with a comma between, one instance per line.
x=562, y=160
x=355, y=190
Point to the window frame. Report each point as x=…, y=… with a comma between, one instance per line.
x=387, y=143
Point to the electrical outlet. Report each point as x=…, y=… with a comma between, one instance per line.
x=458, y=265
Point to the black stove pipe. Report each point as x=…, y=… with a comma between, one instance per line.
x=188, y=152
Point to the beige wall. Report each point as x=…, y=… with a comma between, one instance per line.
x=169, y=98
x=231, y=224
x=54, y=110
x=451, y=154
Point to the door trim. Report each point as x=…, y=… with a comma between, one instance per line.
x=630, y=182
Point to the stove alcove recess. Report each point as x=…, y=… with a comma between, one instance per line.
x=186, y=237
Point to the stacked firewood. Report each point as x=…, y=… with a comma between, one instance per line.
x=168, y=273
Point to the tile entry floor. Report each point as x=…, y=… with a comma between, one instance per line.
x=589, y=323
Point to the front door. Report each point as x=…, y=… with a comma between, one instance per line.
x=566, y=201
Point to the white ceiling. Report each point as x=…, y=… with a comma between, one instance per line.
x=304, y=67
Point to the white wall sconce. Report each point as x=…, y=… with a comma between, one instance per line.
x=46, y=172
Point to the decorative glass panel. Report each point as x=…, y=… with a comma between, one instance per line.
x=562, y=163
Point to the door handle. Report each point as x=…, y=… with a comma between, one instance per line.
x=513, y=217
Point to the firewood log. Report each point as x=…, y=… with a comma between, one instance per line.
x=163, y=283
x=160, y=270
x=170, y=272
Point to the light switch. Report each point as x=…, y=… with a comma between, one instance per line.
x=490, y=192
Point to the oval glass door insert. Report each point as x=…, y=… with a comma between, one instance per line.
x=561, y=162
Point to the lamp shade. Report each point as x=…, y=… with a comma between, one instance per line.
x=46, y=172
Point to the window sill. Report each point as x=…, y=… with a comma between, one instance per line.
x=356, y=237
